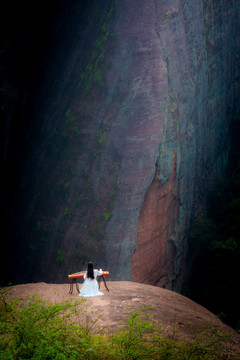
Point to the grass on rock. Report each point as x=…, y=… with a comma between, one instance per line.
x=36, y=329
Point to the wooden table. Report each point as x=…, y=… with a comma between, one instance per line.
x=73, y=280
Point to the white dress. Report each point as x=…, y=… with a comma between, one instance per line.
x=90, y=286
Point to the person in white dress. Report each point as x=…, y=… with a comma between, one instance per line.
x=90, y=285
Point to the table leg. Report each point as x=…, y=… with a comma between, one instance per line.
x=72, y=282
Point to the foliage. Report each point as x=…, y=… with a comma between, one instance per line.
x=214, y=244
x=69, y=118
x=37, y=329
x=41, y=330
x=106, y=216
x=78, y=201
x=92, y=76
x=39, y=224
x=60, y=257
x=100, y=141
x=65, y=211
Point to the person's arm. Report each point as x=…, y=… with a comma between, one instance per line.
x=85, y=275
x=98, y=272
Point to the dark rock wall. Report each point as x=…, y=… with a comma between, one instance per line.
x=129, y=130
x=198, y=41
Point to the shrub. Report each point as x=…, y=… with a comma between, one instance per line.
x=37, y=329
x=41, y=330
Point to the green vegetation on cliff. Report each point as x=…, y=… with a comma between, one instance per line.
x=214, y=244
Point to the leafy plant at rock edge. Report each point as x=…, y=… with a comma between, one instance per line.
x=41, y=330
x=36, y=329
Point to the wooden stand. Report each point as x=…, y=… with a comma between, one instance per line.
x=73, y=280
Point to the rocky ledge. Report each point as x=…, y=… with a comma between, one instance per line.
x=178, y=315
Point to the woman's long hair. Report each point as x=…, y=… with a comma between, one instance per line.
x=90, y=273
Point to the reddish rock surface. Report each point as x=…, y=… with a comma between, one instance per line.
x=179, y=316
x=151, y=263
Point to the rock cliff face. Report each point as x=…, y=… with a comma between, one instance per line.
x=158, y=214
x=128, y=132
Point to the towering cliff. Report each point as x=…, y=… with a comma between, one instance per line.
x=128, y=131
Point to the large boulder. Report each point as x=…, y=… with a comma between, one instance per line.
x=178, y=316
